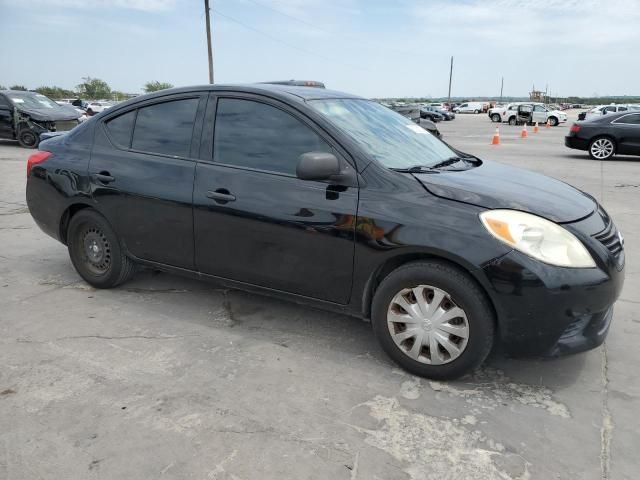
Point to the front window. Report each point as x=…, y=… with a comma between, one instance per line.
x=31, y=100
x=388, y=137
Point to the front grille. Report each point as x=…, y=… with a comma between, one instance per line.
x=609, y=236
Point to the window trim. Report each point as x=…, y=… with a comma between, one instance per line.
x=202, y=98
x=617, y=122
x=212, y=115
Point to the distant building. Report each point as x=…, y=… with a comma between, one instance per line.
x=538, y=96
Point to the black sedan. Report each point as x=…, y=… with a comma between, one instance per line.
x=429, y=111
x=334, y=200
x=606, y=136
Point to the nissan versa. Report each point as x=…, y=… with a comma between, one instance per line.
x=334, y=200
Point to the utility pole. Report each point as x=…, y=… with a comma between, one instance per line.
x=450, y=76
x=209, y=49
x=501, y=87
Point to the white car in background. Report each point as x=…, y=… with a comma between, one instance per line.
x=540, y=114
x=500, y=113
x=604, y=109
x=97, y=107
x=469, y=107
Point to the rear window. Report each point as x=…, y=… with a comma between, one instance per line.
x=120, y=129
x=165, y=128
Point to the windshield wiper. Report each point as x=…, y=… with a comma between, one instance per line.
x=448, y=161
x=415, y=169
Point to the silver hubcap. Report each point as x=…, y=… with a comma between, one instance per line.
x=602, y=148
x=427, y=325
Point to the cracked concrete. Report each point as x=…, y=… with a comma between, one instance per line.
x=173, y=378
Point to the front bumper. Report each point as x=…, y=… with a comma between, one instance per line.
x=547, y=310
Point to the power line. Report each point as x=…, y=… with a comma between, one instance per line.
x=295, y=47
x=291, y=16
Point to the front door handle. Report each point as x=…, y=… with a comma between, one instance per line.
x=221, y=195
x=104, y=177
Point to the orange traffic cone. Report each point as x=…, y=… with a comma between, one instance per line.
x=524, y=133
x=548, y=125
x=496, y=137
x=536, y=129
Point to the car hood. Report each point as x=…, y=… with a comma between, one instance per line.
x=494, y=185
x=49, y=114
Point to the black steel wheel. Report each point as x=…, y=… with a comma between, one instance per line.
x=28, y=138
x=95, y=250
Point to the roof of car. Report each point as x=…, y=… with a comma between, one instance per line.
x=302, y=93
x=610, y=116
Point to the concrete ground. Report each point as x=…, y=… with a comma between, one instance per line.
x=170, y=378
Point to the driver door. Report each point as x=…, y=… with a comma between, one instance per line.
x=254, y=220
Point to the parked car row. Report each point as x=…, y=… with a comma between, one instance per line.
x=605, y=109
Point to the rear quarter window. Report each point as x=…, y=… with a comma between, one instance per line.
x=120, y=129
x=165, y=128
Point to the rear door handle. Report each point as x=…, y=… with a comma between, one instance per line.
x=221, y=195
x=104, y=177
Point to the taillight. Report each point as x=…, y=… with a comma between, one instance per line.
x=35, y=159
x=575, y=128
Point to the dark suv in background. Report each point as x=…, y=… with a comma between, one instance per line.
x=26, y=115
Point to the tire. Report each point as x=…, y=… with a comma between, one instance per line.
x=513, y=121
x=553, y=121
x=476, y=111
x=602, y=148
x=27, y=138
x=105, y=265
x=495, y=118
x=451, y=290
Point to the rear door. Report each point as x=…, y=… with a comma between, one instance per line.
x=142, y=168
x=540, y=114
x=255, y=221
x=627, y=130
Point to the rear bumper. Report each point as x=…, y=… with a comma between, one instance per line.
x=577, y=143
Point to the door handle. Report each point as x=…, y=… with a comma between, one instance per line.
x=221, y=195
x=104, y=177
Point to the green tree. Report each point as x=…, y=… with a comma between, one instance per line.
x=18, y=87
x=55, y=92
x=155, y=85
x=94, y=89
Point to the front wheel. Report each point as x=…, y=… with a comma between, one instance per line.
x=95, y=251
x=433, y=320
x=553, y=121
x=28, y=138
x=602, y=148
x=495, y=118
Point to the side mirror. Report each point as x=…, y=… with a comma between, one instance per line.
x=317, y=166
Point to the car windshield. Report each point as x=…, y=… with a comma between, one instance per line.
x=390, y=138
x=31, y=100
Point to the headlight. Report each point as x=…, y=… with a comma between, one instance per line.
x=539, y=238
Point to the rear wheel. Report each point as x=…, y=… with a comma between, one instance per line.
x=476, y=111
x=495, y=118
x=433, y=320
x=95, y=251
x=28, y=139
x=602, y=148
x=513, y=121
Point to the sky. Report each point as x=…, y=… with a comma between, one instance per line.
x=373, y=48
